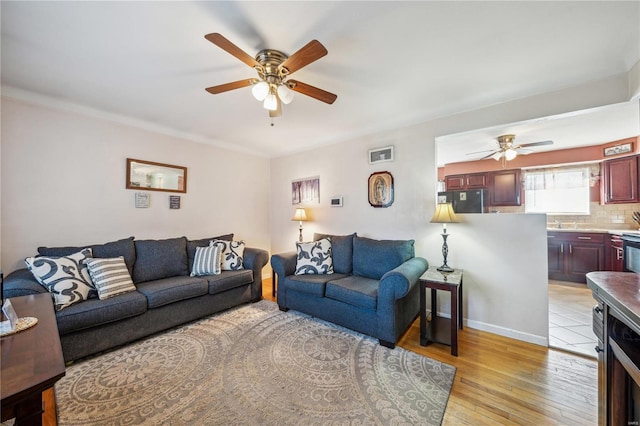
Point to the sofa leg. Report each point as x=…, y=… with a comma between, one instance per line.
x=386, y=344
x=282, y=308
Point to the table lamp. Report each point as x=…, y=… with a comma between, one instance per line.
x=444, y=214
x=301, y=216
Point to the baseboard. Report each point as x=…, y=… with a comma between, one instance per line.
x=508, y=332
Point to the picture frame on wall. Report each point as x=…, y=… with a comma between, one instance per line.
x=381, y=155
x=618, y=149
x=305, y=191
x=380, y=188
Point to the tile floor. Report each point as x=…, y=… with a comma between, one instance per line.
x=570, y=306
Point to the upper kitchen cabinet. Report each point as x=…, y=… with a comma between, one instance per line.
x=466, y=181
x=620, y=180
x=505, y=188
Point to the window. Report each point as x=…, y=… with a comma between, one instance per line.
x=562, y=190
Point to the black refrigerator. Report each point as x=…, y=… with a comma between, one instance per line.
x=468, y=201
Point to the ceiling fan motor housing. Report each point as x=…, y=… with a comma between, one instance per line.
x=270, y=60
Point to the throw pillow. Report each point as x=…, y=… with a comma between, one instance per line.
x=232, y=254
x=65, y=277
x=314, y=257
x=207, y=261
x=341, y=251
x=110, y=276
x=202, y=242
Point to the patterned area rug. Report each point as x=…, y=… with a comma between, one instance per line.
x=255, y=365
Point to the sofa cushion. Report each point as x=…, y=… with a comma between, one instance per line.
x=232, y=255
x=203, y=242
x=312, y=284
x=342, y=251
x=228, y=280
x=354, y=290
x=168, y=290
x=95, y=312
x=206, y=261
x=65, y=277
x=157, y=259
x=314, y=258
x=374, y=258
x=110, y=276
x=124, y=248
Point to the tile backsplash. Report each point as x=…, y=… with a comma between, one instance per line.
x=607, y=216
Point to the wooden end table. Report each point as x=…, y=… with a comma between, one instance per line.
x=32, y=361
x=439, y=329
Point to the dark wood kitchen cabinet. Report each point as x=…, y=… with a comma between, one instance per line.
x=467, y=181
x=505, y=188
x=571, y=255
x=620, y=180
x=614, y=254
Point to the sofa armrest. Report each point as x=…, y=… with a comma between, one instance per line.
x=397, y=283
x=255, y=259
x=21, y=283
x=284, y=264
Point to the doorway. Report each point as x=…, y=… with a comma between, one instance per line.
x=570, y=318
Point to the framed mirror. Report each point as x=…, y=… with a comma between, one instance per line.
x=150, y=176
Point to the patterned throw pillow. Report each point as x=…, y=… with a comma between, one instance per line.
x=65, y=277
x=232, y=254
x=314, y=257
x=207, y=260
x=110, y=276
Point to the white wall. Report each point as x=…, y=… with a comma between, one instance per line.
x=504, y=256
x=63, y=183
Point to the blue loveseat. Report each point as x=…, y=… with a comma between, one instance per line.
x=165, y=295
x=373, y=288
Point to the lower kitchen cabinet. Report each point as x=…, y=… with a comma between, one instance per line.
x=614, y=254
x=573, y=254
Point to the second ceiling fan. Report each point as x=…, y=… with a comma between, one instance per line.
x=273, y=86
x=507, y=150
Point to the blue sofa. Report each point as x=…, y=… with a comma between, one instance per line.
x=165, y=296
x=373, y=289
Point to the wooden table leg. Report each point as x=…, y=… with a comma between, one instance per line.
x=460, y=308
x=274, y=278
x=454, y=323
x=423, y=315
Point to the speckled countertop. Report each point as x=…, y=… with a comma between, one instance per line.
x=596, y=230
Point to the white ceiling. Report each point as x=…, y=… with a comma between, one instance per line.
x=390, y=63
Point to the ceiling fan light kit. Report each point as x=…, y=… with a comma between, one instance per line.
x=507, y=151
x=272, y=87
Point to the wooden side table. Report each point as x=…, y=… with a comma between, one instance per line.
x=441, y=330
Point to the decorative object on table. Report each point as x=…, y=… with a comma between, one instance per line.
x=174, y=201
x=301, y=216
x=380, y=155
x=13, y=324
x=336, y=201
x=152, y=176
x=143, y=200
x=444, y=214
x=381, y=189
x=305, y=191
x=636, y=218
x=618, y=149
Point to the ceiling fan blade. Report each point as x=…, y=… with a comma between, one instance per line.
x=490, y=155
x=311, y=52
x=479, y=152
x=278, y=111
x=214, y=90
x=312, y=91
x=232, y=49
x=535, y=144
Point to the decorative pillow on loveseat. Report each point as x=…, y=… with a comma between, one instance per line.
x=110, y=276
x=65, y=277
x=374, y=258
x=232, y=254
x=314, y=258
x=207, y=261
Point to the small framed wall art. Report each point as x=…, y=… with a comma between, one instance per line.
x=174, y=202
x=380, y=155
x=618, y=149
x=381, y=189
x=305, y=191
x=143, y=199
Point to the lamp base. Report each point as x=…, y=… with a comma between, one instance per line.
x=445, y=268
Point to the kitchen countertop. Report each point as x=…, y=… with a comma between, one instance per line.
x=596, y=231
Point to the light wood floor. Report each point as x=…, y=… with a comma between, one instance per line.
x=500, y=381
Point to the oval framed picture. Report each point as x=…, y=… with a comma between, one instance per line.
x=381, y=189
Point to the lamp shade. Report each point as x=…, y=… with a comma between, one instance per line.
x=444, y=214
x=300, y=215
x=510, y=154
x=260, y=90
x=285, y=94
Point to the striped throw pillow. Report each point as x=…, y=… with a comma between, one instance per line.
x=206, y=261
x=110, y=276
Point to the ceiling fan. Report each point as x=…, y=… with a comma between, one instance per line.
x=273, y=86
x=507, y=151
